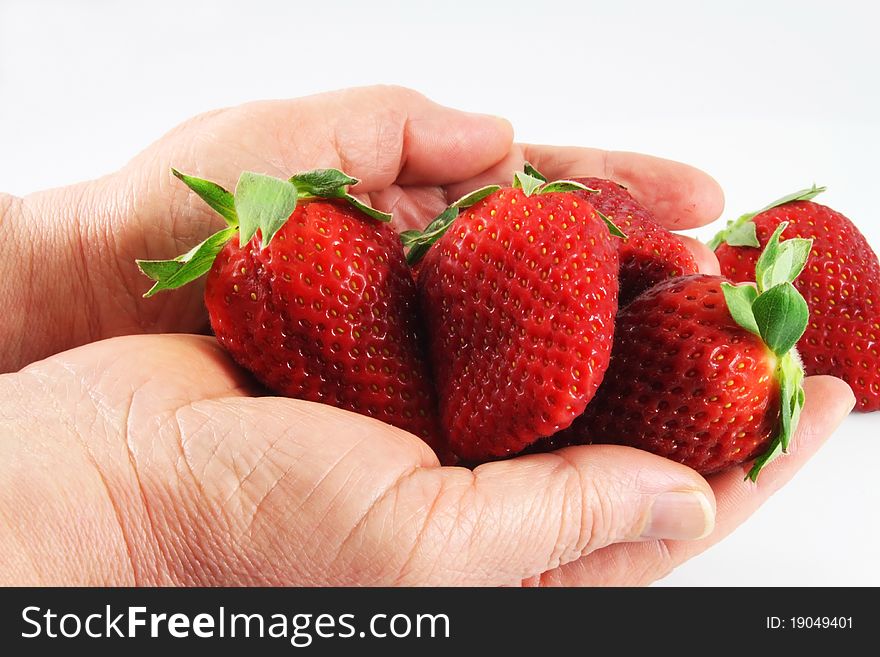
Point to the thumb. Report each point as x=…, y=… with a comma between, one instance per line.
x=531, y=514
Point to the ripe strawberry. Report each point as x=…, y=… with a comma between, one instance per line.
x=704, y=372
x=649, y=253
x=319, y=304
x=519, y=297
x=841, y=284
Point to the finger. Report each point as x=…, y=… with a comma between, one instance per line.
x=384, y=135
x=501, y=173
x=410, y=207
x=828, y=401
x=511, y=519
x=707, y=262
x=442, y=145
x=680, y=195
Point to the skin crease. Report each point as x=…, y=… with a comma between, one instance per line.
x=150, y=450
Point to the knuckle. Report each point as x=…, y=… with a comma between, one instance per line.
x=445, y=527
x=598, y=510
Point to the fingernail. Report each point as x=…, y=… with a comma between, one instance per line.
x=680, y=515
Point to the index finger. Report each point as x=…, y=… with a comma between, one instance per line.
x=681, y=196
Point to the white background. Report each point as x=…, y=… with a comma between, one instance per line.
x=767, y=96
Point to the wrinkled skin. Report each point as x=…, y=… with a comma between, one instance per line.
x=150, y=450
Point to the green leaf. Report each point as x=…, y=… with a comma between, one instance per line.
x=781, y=314
x=721, y=236
x=731, y=234
x=263, y=203
x=565, y=186
x=332, y=183
x=777, y=271
x=212, y=194
x=475, y=196
x=797, y=401
x=368, y=210
x=612, y=227
x=170, y=274
x=323, y=183
x=526, y=182
x=744, y=234
x=767, y=271
x=739, y=300
x=794, y=253
x=158, y=270
x=419, y=242
x=782, y=262
x=801, y=195
x=410, y=237
x=438, y=226
x=773, y=451
x=533, y=172
x=790, y=375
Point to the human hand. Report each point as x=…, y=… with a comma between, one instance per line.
x=501, y=524
x=145, y=460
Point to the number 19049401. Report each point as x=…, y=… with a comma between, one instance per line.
x=809, y=623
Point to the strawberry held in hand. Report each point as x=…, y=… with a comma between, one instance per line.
x=841, y=284
x=519, y=296
x=309, y=290
x=704, y=372
x=648, y=253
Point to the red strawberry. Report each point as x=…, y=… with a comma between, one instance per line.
x=519, y=298
x=704, y=372
x=841, y=284
x=319, y=304
x=649, y=253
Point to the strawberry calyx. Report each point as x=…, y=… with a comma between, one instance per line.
x=530, y=181
x=529, y=173
x=419, y=241
x=775, y=311
x=260, y=202
x=741, y=231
